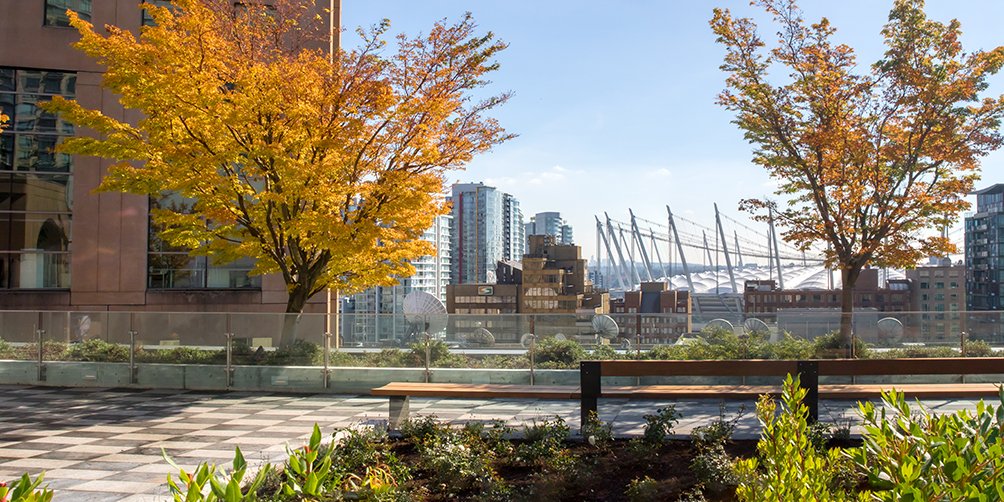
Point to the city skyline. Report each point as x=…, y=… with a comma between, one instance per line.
x=615, y=106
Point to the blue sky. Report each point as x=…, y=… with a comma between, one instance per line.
x=614, y=101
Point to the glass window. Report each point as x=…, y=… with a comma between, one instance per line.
x=55, y=11
x=925, y=285
x=36, y=183
x=172, y=267
x=147, y=18
x=939, y=285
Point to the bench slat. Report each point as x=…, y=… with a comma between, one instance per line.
x=477, y=390
x=744, y=367
x=865, y=391
x=915, y=366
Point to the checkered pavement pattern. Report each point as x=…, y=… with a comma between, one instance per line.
x=99, y=445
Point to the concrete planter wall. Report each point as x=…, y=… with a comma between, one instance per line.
x=353, y=380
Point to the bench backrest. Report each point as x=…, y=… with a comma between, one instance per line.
x=773, y=367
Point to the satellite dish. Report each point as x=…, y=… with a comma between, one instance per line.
x=754, y=325
x=890, y=330
x=425, y=310
x=481, y=337
x=526, y=339
x=560, y=337
x=605, y=326
x=720, y=323
x=625, y=343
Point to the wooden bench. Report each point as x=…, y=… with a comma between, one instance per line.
x=400, y=394
x=591, y=373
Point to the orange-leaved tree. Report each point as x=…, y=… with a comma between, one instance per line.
x=324, y=168
x=868, y=162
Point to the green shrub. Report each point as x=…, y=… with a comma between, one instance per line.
x=832, y=345
x=719, y=431
x=789, y=467
x=714, y=468
x=97, y=350
x=299, y=353
x=558, y=354
x=979, y=348
x=925, y=456
x=921, y=352
x=597, y=433
x=456, y=466
x=420, y=427
x=660, y=425
x=642, y=490
x=605, y=352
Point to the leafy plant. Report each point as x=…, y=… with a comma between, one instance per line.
x=714, y=467
x=925, y=456
x=225, y=488
x=456, y=467
x=719, y=431
x=660, y=425
x=596, y=432
x=789, y=467
x=308, y=469
x=24, y=490
x=419, y=427
x=558, y=354
x=98, y=350
x=642, y=489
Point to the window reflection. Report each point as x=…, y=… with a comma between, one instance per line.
x=55, y=11
x=172, y=267
x=36, y=183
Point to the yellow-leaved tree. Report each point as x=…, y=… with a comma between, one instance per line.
x=325, y=168
x=871, y=161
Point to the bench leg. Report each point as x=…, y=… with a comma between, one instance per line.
x=808, y=379
x=398, y=410
x=590, y=389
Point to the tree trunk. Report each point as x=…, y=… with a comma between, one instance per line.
x=294, y=309
x=848, y=275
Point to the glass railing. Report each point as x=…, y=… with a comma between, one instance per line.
x=537, y=342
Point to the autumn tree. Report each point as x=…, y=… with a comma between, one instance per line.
x=868, y=162
x=325, y=168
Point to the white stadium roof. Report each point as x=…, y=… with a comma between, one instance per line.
x=795, y=277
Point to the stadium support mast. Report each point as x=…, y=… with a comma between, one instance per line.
x=777, y=250
x=655, y=246
x=613, y=266
x=679, y=249
x=725, y=249
x=739, y=254
x=641, y=246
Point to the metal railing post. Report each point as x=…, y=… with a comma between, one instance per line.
x=327, y=359
x=133, y=376
x=230, y=367
x=428, y=353
x=533, y=338
x=40, y=335
x=962, y=335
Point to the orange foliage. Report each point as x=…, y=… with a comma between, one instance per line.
x=868, y=162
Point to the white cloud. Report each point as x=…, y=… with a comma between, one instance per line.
x=662, y=172
x=503, y=181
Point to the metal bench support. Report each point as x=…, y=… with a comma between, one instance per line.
x=808, y=379
x=398, y=410
x=589, y=378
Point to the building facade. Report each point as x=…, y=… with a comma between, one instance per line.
x=487, y=228
x=984, y=248
x=763, y=296
x=549, y=223
x=63, y=247
x=378, y=312
x=939, y=294
x=671, y=311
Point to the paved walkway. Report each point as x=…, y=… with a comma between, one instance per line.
x=105, y=444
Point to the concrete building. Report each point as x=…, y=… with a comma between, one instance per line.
x=549, y=223
x=63, y=247
x=673, y=310
x=432, y=275
x=939, y=294
x=487, y=228
x=555, y=280
x=763, y=296
x=984, y=248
